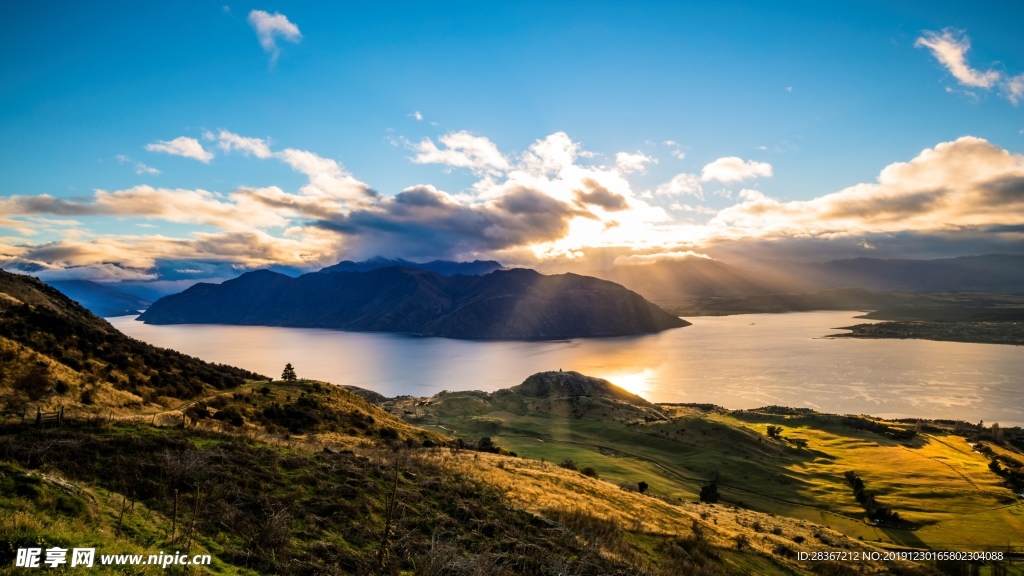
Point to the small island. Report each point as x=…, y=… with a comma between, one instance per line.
x=976, y=332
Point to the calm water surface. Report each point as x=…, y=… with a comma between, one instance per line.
x=741, y=361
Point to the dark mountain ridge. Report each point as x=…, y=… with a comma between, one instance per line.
x=516, y=304
x=100, y=299
x=443, y=267
x=1002, y=273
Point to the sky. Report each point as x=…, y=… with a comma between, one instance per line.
x=166, y=141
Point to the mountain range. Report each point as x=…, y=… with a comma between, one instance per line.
x=442, y=267
x=694, y=284
x=504, y=304
x=101, y=299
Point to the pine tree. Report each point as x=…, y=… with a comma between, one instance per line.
x=289, y=373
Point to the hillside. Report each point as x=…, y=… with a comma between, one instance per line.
x=100, y=299
x=938, y=477
x=55, y=352
x=261, y=500
x=700, y=286
x=1003, y=273
x=506, y=304
x=671, y=281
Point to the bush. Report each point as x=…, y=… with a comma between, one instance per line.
x=569, y=464
x=230, y=415
x=34, y=383
x=589, y=471
x=641, y=486
x=709, y=492
x=784, y=551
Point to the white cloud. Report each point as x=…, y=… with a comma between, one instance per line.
x=182, y=146
x=681, y=185
x=954, y=186
x=633, y=162
x=257, y=147
x=417, y=116
x=950, y=49
x=462, y=150
x=733, y=169
x=550, y=155
x=271, y=26
x=644, y=259
x=141, y=168
x=327, y=178
x=1013, y=89
x=695, y=209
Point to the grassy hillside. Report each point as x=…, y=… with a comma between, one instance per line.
x=938, y=479
x=305, y=505
x=54, y=352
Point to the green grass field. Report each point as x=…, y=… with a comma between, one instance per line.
x=943, y=490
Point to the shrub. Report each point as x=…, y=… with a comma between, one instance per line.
x=569, y=464
x=589, y=471
x=709, y=492
x=641, y=486
x=784, y=551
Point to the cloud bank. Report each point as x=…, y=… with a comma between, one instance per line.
x=547, y=204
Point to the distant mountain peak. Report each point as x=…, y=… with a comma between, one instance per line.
x=443, y=267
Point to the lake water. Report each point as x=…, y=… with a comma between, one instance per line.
x=743, y=361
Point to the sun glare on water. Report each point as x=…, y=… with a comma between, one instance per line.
x=639, y=383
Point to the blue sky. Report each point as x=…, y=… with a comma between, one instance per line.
x=826, y=95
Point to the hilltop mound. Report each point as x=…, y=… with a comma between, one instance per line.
x=573, y=384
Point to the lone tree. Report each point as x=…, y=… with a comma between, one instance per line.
x=289, y=373
x=774, y=431
x=641, y=486
x=709, y=492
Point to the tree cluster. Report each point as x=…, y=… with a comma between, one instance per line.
x=867, y=499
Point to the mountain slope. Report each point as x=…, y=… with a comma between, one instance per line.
x=696, y=277
x=989, y=273
x=100, y=299
x=506, y=304
x=53, y=351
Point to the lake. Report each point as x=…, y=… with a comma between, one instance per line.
x=743, y=361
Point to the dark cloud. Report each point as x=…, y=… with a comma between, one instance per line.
x=883, y=209
x=598, y=195
x=424, y=222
